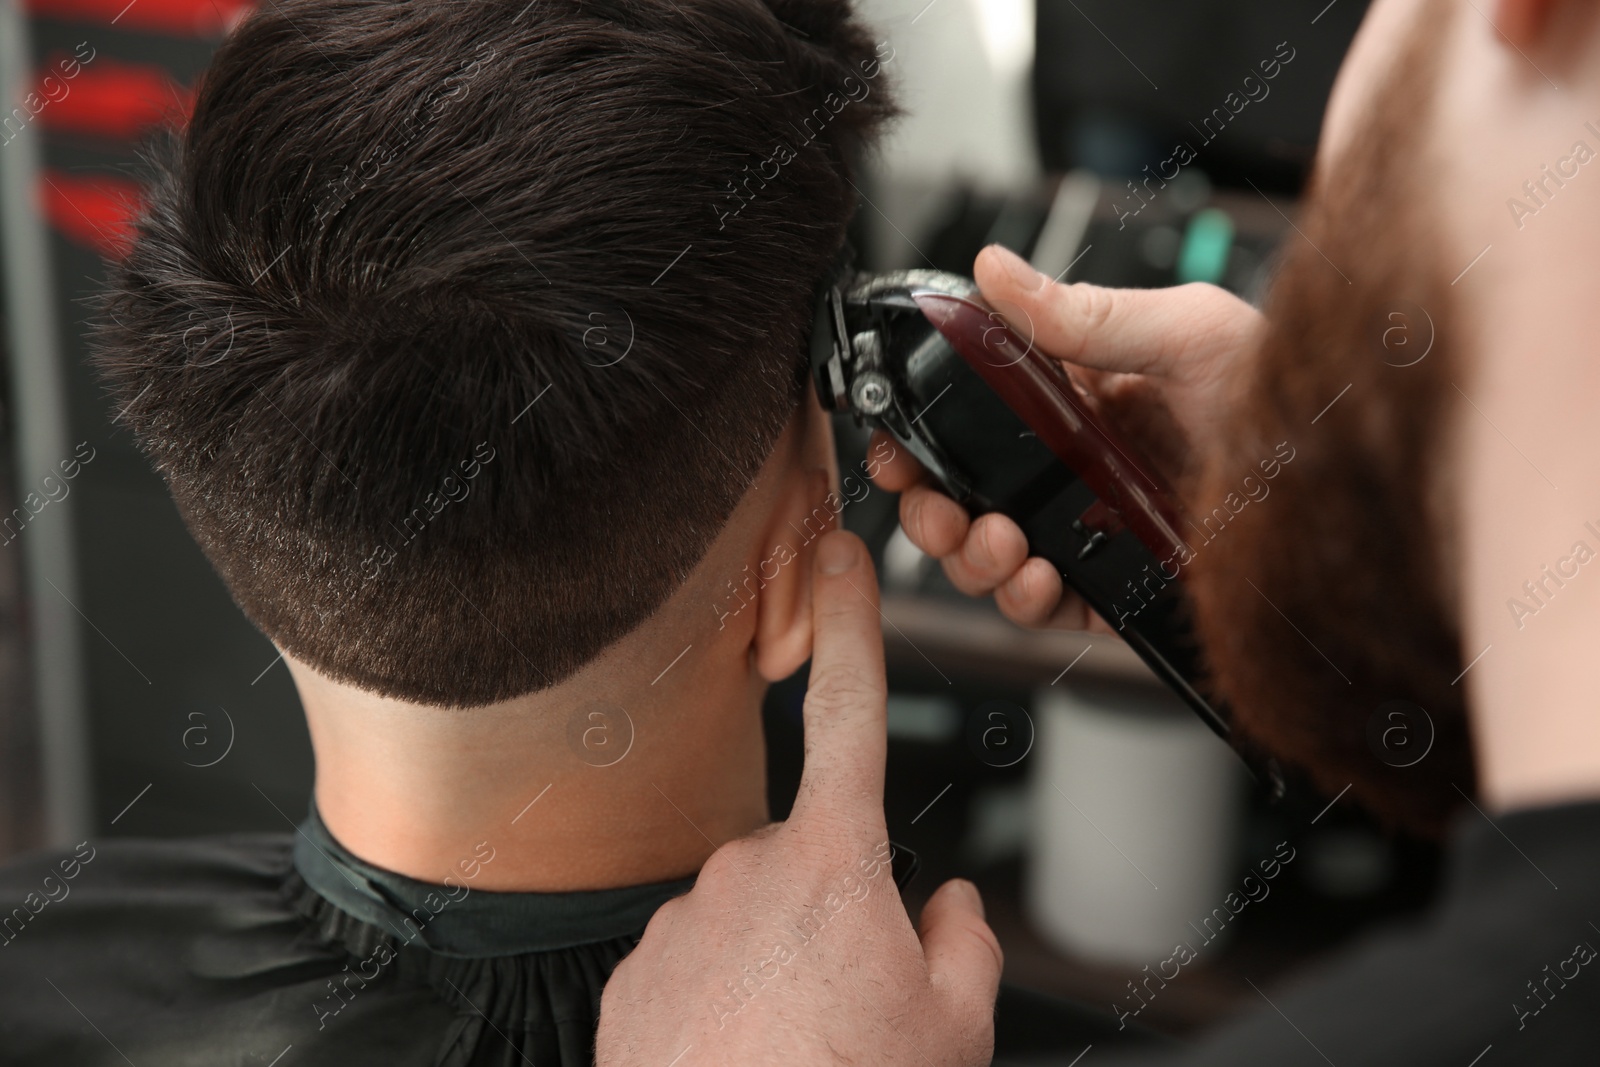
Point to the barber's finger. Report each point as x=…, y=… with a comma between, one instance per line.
x=1142, y=331
x=897, y=473
x=935, y=523
x=995, y=548
x=846, y=698
x=1037, y=598
x=963, y=955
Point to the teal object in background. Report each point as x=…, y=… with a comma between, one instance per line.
x=1206, y=245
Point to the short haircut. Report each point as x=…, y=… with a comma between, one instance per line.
x=459, y=329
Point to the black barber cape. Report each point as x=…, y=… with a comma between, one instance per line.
x=279, y=951
x=287, y=950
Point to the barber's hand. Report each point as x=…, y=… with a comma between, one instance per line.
x=793, y=947
x=1159, y=360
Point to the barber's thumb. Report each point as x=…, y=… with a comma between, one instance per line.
x=962, y=953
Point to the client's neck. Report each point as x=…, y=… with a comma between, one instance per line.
x=631, y=772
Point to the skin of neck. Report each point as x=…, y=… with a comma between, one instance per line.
x=1521, y=485
x=635, y=769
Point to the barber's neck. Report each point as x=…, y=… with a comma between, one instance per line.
x=1515, y=116
x=1528, y=515
x=633, y=771
x=1529, y=524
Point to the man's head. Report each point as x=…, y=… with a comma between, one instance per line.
x=459, y=331
x=1397, y=366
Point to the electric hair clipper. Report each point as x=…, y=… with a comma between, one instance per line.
x=1003, y=427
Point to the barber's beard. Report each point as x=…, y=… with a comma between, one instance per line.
x=1331, y=598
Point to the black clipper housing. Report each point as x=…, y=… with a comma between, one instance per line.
x=1003, y=428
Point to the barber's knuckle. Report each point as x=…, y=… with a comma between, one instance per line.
x=1010, y=546
x=846, y=613
x=661, y=923
x=1095, y=306
x=979, y=548
x=727, y=867
x=843, y=686
x=1020, y=604
x=963, y=575
x=928, y=518
x=1216, y=315
x=912, y=511
x=1202, y=297
x=669, y=911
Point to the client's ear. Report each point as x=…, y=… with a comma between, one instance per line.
x=807, y=509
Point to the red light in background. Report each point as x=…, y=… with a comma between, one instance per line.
x=96, y=212
x=112, y=99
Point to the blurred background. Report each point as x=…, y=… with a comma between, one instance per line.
x=1124, y=142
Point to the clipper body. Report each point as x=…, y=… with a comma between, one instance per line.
x=1004, y=428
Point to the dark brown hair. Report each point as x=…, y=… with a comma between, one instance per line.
x=459, y=329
